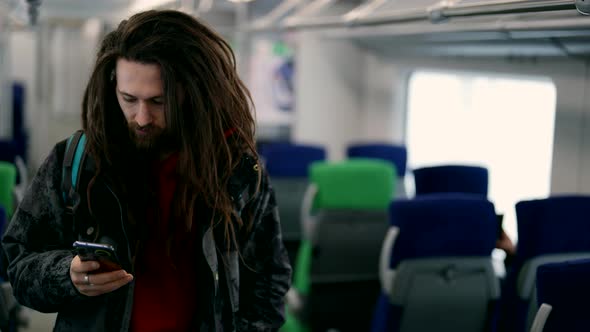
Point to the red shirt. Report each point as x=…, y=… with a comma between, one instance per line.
x=165, y=297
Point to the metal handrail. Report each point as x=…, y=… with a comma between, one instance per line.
x=435, y=13
x=274, y=16
x=388, y=17
x=304, y=17
x=507, y=7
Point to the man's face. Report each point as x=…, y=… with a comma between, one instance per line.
x=141, y=96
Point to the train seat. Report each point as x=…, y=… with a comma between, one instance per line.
x=552, y=229
x=396, y=154
x=288, y=167
x=563, y=288
x=451, y=178
x=336, y=273
x=436, y=266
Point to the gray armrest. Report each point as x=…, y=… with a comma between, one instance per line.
x=307, y=219
x=541, y=318
x=387, y=274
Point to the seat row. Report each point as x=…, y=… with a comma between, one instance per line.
x=425, y=261
x=289, y=167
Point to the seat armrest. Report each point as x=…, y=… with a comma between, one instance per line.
x=307, y=219
x=541, y=318
x=387, y=274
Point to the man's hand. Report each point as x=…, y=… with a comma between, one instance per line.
x=94, y=284
x=506, y=244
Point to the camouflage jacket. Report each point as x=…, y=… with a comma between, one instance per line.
x=239, y=294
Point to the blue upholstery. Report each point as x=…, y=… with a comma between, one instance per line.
x=386, y=315
x=395, y=154
x=451, y=178
x=18, y=108
x=264, y=147
x=291, y=160
x=434, y=226
x=443, y=225
x=565, y=287
x=16, y=146
x=288, y=167
x=553, y=225
x=9, y=149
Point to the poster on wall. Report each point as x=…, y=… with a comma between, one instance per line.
x=271, y=81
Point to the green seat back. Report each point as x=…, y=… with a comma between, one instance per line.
x=356, y=185
x=7, y=183
x=363, y=184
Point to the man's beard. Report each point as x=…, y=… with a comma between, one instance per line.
x=150, y=140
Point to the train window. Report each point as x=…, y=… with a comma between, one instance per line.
x=488, y=120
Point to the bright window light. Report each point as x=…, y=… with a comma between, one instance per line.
x=503, y=123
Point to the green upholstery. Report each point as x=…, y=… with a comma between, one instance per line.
x=352, y=185
x=302, y=268
x=292, y=324
x=7, y=183
x=301, y=284
x=365, y=184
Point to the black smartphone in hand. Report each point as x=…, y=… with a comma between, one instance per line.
x=104, y=254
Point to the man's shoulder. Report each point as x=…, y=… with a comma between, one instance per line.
x=60, y=146
x=59, y=150
x=56, y=155
x=245, y=174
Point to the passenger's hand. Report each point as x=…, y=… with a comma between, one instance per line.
x=94, y=284
x=506, y=244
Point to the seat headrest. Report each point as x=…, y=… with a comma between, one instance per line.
x=553, y=225
x=396, y=154
x=365, y=184
x=451, y=178
x=442, y=225
x=291, y=160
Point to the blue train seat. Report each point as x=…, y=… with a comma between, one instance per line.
x=553, y=229
x=451, y=178
x=288, y=166
x=17, y=144
x=396, y=154
x=436, y=266
x=562, y=293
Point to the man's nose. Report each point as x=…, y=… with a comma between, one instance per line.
x=143, y=116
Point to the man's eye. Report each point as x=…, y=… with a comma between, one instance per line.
x=157, y=101
x=129, y=100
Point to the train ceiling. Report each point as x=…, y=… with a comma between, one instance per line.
x=392, y=27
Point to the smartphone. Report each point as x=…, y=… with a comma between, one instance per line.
x=102, y=253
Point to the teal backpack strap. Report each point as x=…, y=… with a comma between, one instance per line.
x=73, y=160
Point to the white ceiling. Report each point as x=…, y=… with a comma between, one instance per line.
x=105, y=9
x=82, y=9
